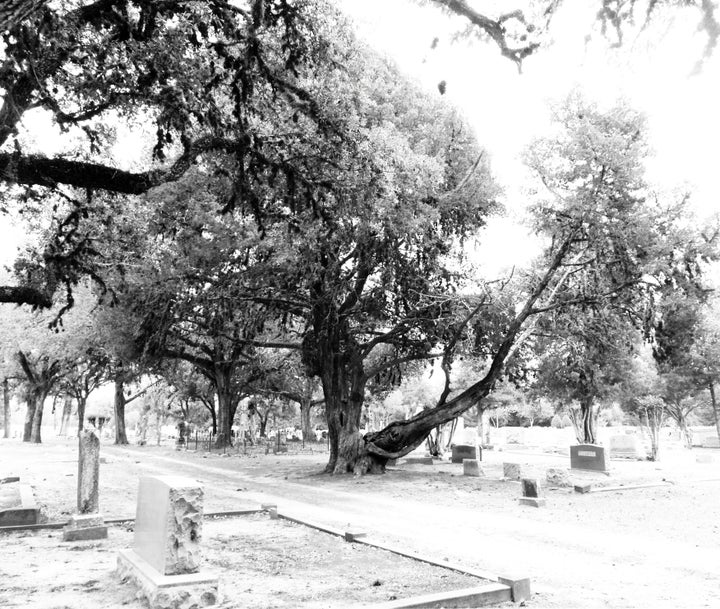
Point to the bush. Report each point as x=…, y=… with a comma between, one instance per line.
x=556, y=422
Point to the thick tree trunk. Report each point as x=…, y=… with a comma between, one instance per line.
x=225, y=411
x=66, y=414
x=29, y=414
x=716, y=414
x=305, y=425
x=119, y=411
x=82, y=402
x=6, y=409
x=35, y=433
x=588, y=421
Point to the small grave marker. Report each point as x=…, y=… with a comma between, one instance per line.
x=556, y=476
x=87, y=523
x=511, y=471
x=471, y=467
x=531, y=493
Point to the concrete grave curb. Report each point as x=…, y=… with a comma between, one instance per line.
x=504, y=588
x=27, y=513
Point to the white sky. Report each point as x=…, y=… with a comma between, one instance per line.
x=509, y=109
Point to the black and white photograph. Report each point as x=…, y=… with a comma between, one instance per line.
x=383, y=304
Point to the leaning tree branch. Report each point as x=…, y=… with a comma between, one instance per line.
x=26, y=296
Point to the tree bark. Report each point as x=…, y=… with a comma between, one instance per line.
x=36, y=430
x=119, y=410
x=305, y=425
x=225, y=409
x=588, y=420
x=82, y=403
x=716, y=414
x=66, y=414
x=6, y=409
x=29, y=415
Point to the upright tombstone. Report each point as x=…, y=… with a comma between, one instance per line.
x=589, y=457
x=165, y=559
x=626, y=446
x=87, y=523
x=471, y=467
x=511, y=471
x=465, y=451
x=531, y=493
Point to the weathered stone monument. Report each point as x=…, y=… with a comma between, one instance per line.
x=465, y=451
x=588, y=457
x=557, y=476
x=471, y=467
x=164, y=562
x=87, y=523
x=531, y=493
x=511, y=471
x=626, y=446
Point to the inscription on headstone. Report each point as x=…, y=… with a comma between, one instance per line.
x=588, y=456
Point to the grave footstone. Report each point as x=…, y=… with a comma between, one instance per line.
x=465, y=451
x=165, y=559
x=588, y=457
x=531, y=493
x=511, y=471
x=471, y=467
x=87, y=523
x=556, y=476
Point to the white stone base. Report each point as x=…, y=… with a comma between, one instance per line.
x=185, y=591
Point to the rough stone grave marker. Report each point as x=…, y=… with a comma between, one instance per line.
x=87, y=523
x=531, y=493
x=556, y=476
x=165, y=559
x=511, y=471
x=471, y=467
x=588, y=457
x=465, y=451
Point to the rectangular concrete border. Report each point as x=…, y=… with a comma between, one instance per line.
x=504, y=588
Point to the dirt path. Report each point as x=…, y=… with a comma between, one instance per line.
x=652, y=547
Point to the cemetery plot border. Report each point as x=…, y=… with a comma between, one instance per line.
x=17, y=505
x=502, y=588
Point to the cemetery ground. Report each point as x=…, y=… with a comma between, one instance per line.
x=655, y=546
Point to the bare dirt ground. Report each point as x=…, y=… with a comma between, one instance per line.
x=650, y=547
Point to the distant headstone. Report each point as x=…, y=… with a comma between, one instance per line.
x=589, y=457
x=87, y=523
x=511, y=471
x=626, y=446
x=165, y=559
x=418, y=461
x=556, y=476
x=531, y=493
x=465, y=451
x=471, y=467
x=711, y=442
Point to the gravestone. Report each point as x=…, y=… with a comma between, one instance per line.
x=87, y=523
x=465, y=451
x=17, y=505
x=531, y=493
x=165, y=559
x=626, y=446
x=711, y=442
x=588, y=457
x=471, y=467
x=511, y=471
x=556, y=476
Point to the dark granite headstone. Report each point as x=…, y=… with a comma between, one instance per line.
x=465, y=451
x=530, y=487
x=588, y=456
